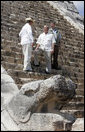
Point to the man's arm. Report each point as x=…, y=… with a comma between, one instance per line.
x=53, y=43
x=52, y=51
x=38, y=45
x=29, y=31
x=38, y=42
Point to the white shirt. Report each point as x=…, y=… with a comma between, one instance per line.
x=45, y=41
x=55, y=34
x=26, y=34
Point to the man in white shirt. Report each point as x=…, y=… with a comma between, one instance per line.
x=45, y=44
x=27, y=43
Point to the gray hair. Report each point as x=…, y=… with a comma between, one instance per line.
x=46, y=26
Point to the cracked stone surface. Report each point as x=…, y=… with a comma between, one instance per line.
x=20, y=111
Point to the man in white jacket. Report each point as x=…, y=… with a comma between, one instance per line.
x=27, y=43
x=45, y=44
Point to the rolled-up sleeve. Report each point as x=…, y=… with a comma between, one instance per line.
x=39, y=40
x=20, y=33
x=29, y=31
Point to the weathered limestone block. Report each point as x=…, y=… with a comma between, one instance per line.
x=2, y=127
x=9, y=124
x=46, y=122
x=33, y=95
x=3, y=70
x=8, y=88
x=78, y=125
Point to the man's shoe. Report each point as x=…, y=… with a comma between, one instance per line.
x=53, y=67
x=27, y=70
x=47, y=72
x=37, y=65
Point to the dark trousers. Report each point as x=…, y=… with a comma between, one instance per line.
x=54, y=58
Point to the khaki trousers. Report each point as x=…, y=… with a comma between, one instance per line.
x=27, y=52
x=47, y=55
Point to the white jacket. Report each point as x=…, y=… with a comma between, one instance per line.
x=45, y=41
x=26, y=34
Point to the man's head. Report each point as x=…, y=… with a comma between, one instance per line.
x=46, y=28
x=52, y=25
x=29, y=20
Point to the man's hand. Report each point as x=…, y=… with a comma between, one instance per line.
x=52, y=51
x=32, y=44
x=37, y=47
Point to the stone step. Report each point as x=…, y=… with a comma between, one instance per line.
x=8, y=59
x=22, y=81
x=11, y=54
x=80, y=86
x=6, y=43
x=74, y=106
x=22, y=74
x=80, y=92
x=14, y=60
x=11, y=48
x=15, y=66
x=35, y=75
x=26, y=80
x=7, y=65
x=81, y=80
x=16, y=57
x=75, y=113
x=75, y=48
x=78, y=98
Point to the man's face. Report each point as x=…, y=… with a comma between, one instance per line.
x=31, y=23
x=45, y=30
x=52, y=25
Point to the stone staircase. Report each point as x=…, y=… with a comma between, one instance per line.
x=71, y=55
x=12, y=60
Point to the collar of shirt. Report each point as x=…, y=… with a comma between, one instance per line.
x=45, y=34
x=55, y=30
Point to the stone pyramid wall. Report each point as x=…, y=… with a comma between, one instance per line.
x=71, y=55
